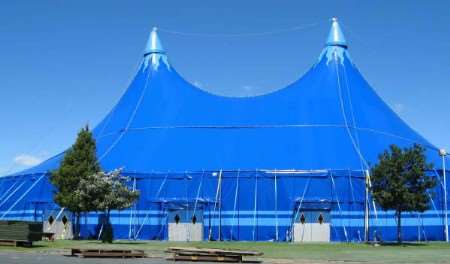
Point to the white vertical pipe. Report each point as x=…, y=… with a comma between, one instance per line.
x=235, y=204
x=366, y=207
x=443, y=153
x=255, y=206
x=130, y=231
x=276, y=206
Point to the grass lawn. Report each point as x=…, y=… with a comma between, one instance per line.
x=436, y=252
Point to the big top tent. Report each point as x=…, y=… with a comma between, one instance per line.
x=290, y=165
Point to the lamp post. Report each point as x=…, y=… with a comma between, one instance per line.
x=443, y=153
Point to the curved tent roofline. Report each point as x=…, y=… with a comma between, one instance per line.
x=154, y=46
x=320, y=100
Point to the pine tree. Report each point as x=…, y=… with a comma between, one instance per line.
x=80, y=162
x=400, y=183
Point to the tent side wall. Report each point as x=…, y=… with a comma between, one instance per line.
x=234, y=205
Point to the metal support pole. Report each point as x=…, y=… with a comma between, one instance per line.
x=220, y=205
x=366, y=207
x=443, y=153
x=276, y=206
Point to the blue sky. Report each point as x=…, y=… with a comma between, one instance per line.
x=65, y=63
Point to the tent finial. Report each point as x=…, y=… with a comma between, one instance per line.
x=154, y=44
x=336, y=37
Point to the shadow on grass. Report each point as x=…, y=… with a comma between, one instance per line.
x=23, y=246
x=117, y=242
x=37, y=246
x=403, y=244
x=128, y=243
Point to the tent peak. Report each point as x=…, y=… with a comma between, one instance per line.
x=336, y=37
x=154, y=44
x=154, y=53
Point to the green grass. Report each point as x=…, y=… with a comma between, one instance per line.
x=317, y=253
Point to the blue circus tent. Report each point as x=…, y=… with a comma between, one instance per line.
x=247, y=168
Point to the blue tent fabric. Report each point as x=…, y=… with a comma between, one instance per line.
x=221, y=157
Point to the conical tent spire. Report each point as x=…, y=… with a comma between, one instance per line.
x=154, y=44
x=336, y=37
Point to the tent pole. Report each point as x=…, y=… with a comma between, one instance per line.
x=443, y=153
x=276, y=206
x=255, y=205
x=234, y=206
x=148, y=213
x=200, y=185
x=297, y=210
x=186, y=214
x=130, y=231
x=366, y=207
x=418, y=227
x=219, y=183
x=338, y=204
x=350, y=179
x=220, y=206
x=375, y=212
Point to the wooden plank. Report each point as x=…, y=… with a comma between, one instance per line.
x=16, y=243
x=209, y=254
x=207, y=258
x=213, y=251
x=7, y=243
x=111, y=255
x=108, y=253
x=75, y=251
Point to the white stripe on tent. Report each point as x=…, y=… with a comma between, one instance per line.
x=130, y=231
x=255, y=206
x=22, y=196
x=265, y=222
x=235, y=202
x=130, y=120
x=299, y=207
x=12, y=193
x=9, y=189
x=198, y=192
x=338, y=204
x=219, y=183
x=56, y=218
x=281, y=214
x=157, y=196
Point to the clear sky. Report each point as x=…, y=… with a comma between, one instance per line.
x=65, y=63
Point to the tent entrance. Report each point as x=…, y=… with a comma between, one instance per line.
x=312, y=226
x=58, y=222
x=311, y=221
x=185, y=225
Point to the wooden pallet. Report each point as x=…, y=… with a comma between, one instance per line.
x=20, y=231
x=210, y=254
x=107, y=253
x=16, y=243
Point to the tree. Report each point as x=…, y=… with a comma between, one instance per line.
x=400, y=183
x=79, y=162
x=105, y=192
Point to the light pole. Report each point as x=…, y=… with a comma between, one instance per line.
x=443, y=153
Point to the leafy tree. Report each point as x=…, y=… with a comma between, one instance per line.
x=400, y=183
x=80, y=162
x=105, y=192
